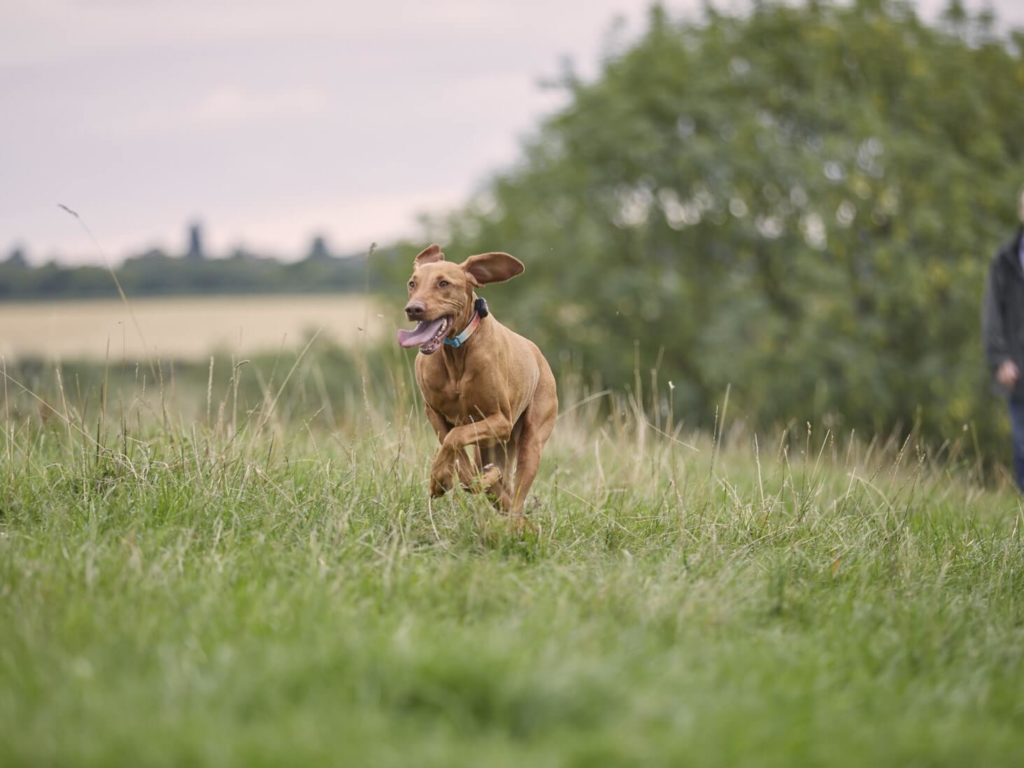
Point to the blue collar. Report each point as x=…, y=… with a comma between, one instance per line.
x=480, y=311
x=459, y=340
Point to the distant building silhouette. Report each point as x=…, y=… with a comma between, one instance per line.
x=318, y=250
x=195, y=243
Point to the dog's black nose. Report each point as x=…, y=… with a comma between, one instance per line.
x=414, y=310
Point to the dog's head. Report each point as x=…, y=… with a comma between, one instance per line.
x=441, y=294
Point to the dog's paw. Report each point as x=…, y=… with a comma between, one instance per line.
x=440, y=478
x=440, y=483
x=489, y=476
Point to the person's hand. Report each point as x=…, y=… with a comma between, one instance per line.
x=1007, y=374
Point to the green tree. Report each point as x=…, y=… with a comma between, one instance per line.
x=800, y=202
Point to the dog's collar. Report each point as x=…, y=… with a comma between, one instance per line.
x=480, y=311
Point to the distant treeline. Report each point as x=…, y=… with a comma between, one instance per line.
x=158, y=274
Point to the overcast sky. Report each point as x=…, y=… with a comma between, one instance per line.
x=272, y=121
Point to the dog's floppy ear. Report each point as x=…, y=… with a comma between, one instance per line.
x=492, y=267
x=429, y=255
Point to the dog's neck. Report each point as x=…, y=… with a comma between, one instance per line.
x=463, y=336
x=477, y=312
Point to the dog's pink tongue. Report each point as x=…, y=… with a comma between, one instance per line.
x=421, y=334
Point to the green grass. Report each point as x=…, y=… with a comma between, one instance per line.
x=272, y=587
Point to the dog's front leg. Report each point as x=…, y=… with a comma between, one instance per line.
x=497, y=428
x=440, y=471
x=439, y=423
x=447, y=467
x=452, y=464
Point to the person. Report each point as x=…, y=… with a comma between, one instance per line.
x=1003, y=332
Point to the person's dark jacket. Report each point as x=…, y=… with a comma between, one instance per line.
x=1002, y=319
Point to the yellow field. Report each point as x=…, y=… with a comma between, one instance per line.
x=184, y=327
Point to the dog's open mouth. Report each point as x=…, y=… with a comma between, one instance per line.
x=427, y=335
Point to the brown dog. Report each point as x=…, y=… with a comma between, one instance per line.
x=488, y=387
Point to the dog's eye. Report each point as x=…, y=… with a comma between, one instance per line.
x=442, y=283
x=412, y=283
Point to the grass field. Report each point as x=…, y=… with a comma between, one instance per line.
x=263, y=582
x=183, y=327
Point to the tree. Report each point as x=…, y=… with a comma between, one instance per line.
x=799, y=203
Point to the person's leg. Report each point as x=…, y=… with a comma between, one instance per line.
x=1017, y=428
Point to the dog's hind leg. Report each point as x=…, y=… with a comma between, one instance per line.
x=538, y=421
x=498, y=459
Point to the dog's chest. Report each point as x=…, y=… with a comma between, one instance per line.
x=457, y=402
x=472, y=388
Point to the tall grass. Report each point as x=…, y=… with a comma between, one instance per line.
x=237, y=564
